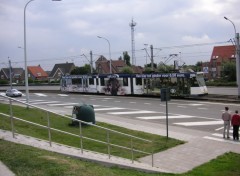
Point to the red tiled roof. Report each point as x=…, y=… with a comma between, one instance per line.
x=37, y=71
x=223, y=53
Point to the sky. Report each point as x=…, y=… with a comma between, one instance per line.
x=67, y=30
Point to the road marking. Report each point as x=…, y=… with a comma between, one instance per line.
x=164, y=117
x=117, y=101
x=181, y=106
x=217, y=122
x=44, y=102
x=203, y=108
x=63, y=104
x=69, y=107
x=106, y=109
x=63, y=95
x=132, y=112
x=132, y=102
x=40, y=94
x=147, y=103
x=219, y=128
x=221, y=140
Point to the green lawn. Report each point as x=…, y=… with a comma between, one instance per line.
x=159, y=143
x=28, y=161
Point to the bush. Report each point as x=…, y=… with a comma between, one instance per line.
x=3, y=82
x=221, y=83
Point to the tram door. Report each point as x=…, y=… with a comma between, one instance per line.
x=85, y=84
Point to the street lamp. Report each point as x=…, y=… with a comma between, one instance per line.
x=237, y=51
x=25, y=52
x=109, y=52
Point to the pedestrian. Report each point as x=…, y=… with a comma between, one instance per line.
x=235, y=123
x=226, y=117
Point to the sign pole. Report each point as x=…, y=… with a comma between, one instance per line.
x=167, y=117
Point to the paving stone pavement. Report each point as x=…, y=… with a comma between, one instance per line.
x=196, y=151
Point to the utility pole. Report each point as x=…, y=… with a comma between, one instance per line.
x=91, y=62
x=151, y=47
x=10, y=72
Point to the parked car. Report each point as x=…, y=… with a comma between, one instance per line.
x=13, y=93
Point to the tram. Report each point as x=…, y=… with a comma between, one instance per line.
x=179, y=84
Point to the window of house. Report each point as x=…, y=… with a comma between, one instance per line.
x=39, y=74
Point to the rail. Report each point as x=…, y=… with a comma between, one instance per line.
x=50, y=129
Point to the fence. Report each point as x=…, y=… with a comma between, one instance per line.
x=50, y=129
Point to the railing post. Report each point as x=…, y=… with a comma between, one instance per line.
x=49, y=130
x=108, y=141
x=11, y=117
x=152, y=159
x=132, y=148
x=81, y=136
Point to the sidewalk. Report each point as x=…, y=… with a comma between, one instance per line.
x=197, y=150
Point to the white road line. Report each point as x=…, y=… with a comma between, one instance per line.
x=181, y=106
x=63, y=95
x=40, y=94
x=69, y=107
x=132, y=102
x=117, y=101
x=106, y=109
x=147, y=103
x=132, y=112
x=164, y=117
x=221, y=140
x=44, y=102
x=219, y=128
x=217, y=122
x=62, y=104
x=203, y=108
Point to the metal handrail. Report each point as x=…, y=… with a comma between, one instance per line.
x=68, y=133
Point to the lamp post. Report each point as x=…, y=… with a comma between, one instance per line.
x=237, y=54
x=25, y=52
x=109, y=52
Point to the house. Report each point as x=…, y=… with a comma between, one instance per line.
x=37, y=73
x=219, y=55
x=17, y=74
x=103, y=66
x=60, y=70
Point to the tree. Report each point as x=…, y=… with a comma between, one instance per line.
x=164, y=68
x=229, y=71
x=127, y=69
x=126, y=58
x=86, y=69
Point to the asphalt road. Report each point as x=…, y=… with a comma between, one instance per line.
x=197, y=115
x=211, y=90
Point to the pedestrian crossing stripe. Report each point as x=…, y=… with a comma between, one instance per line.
x=62, y=104
x=221, y=140
x=131, y=112
x=217, y=122
x=106, y=109
x=164, y=117
x=44, y=102
x=71, y=106
x=40, y=94
x=62, y=95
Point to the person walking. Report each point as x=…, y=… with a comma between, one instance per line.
x=235, y=123
x=226, y=117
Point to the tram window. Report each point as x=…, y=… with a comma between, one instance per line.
x=91, y=81
x=102, y=82
x=97, y=81
x=125, y=81
x=138, y=81
x=76, y=81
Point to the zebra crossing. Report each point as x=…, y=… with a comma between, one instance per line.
x=218, y=136
x=177, y=119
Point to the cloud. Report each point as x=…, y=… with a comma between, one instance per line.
x=197, y=40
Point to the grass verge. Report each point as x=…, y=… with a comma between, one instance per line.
x=159, y=143
x=25, y=161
